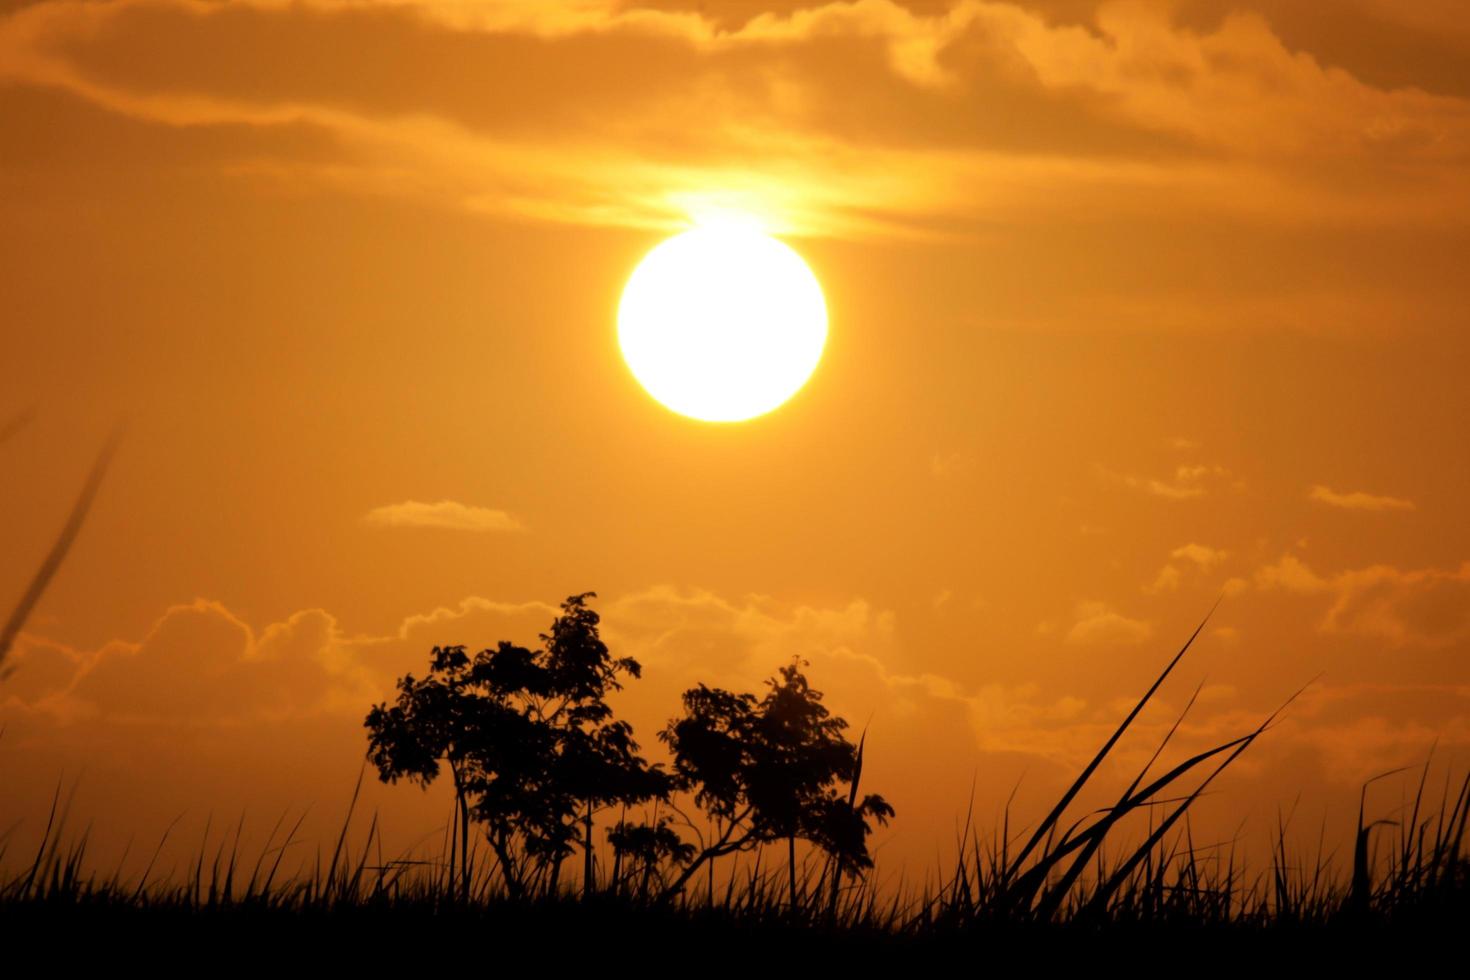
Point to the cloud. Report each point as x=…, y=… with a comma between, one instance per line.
x=687, y=636
x=1427, y=607
x=1362, y=730
x=1167, y=580
x=199, y=663
x=1357, y=500
x=1203, y=556
x=1098, y=623
x=1292, y=575
x=1189, y=482
x=868, y=118
x=1424, y=607
x=1235, y=585
x=448, y=514
x=207, y=711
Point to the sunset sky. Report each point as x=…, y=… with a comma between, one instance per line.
x=1133, y=306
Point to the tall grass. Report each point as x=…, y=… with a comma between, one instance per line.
x=1076, y=874
x=64, y=540
x=1168, y=880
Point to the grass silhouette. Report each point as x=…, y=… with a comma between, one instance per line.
x=1065, y=884
x=64, y=540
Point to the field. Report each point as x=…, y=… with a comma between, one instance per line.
x=1057, y=891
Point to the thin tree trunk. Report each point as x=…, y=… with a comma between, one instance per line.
x=836, y=889
x=464, y=845
x=462, y=817
x=711, y=872
x=791, y=863
x=513, y=882
x=453, y=841
x=589, y=867
x=717, y=849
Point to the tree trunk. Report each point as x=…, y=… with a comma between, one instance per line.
x=710, y=874
x=464, y=845
x=449, y=874
x=718, y=849
x=513, y=882
x=791, y=862
x=836, y=889
x=589, y=867
x=617, y=871
x=462, y=816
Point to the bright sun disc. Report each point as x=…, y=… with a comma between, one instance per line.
x=722, y=324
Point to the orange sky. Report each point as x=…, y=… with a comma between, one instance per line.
x=1132, y=305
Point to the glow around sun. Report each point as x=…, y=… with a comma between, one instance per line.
x=722, y=323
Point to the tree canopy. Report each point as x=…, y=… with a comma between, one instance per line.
x=530, y=741
x=534, y=752
x=772, y=769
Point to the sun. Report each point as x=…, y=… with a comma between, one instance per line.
x=722, y=323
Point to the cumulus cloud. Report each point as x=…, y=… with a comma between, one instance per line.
x=1167, y=580
x=199, y=663
x=1362, y=730
x=1292, y=574
x=205, y=707
x=1201, y=557
x=1423, y=607
x=1357, y=500
x=448, y=514
x=202, y=666
x=206, y=695
x=1428, y=607
x=1099, y=623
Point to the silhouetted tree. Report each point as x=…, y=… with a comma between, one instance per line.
x=641, y=850
x=769, y=770
x=531, y=743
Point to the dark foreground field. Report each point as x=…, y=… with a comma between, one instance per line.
x=1173, y=908
x=1125, y=886
x=572, y=934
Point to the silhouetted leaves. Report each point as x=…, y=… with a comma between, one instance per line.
x=770, y=770
x=642, y=850
x=530, y=740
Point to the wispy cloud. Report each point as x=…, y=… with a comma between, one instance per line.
x=1357, y=500
x=1189, y=482
x=448, y=514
